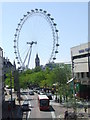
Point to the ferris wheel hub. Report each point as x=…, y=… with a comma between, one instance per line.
x=31, y=43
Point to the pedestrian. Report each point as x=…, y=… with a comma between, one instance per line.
x=58, y=100
x=74, y=115
x=66, y=115
x=85, y=108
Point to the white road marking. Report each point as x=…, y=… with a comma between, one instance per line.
x=26, y=96
x=29, y=111
x=53, y=113
x=29, y=105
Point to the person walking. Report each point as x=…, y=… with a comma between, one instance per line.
x=66, y=115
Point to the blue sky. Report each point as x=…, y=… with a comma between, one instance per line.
x=71, y=19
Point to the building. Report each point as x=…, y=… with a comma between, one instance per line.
x=2, y=98
x=7, y=65
x=89, y=21
x=53, y=65
x=80, y=56
x=37, y=61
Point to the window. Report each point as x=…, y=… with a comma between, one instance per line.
x=77, y=75
x=87, y=74
x=82, y=74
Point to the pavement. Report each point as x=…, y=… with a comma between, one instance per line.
x=60, y=109
x=11, y=111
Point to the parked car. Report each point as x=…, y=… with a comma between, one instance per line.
x=31, y=93
x=42, y=93
x=25, y=106
x=38, y=91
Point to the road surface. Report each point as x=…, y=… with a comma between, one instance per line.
x=35, y=112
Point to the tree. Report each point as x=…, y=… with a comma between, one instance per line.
x=62, y=74
x=59, y=74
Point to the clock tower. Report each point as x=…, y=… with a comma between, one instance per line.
x=37, y=61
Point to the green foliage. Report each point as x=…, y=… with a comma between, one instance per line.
x=31, y=78
x=63, y=73
x=37, y=69
x=44, y=78
x=9, y=79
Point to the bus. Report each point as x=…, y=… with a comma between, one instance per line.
x=43, y=102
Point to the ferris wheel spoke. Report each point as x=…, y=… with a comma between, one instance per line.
x=29, y=57
x=26, y=57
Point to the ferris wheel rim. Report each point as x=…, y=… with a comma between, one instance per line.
x=53, y=25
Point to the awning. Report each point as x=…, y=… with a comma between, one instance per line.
x=70, y=80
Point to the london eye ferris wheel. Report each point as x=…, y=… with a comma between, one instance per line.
x=25, y=46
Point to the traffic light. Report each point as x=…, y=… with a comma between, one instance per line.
x=72, y=64
x=5, y=76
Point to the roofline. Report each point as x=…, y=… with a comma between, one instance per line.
x=80, y=45
x=43, y=97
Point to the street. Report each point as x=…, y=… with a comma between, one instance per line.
x=56, y=110
x=35, y=112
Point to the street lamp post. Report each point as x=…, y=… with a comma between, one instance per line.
x=18, y=89
x=11, y=91
x=73, y=83
x=11, y=83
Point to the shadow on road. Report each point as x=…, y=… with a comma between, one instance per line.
x=51, y=109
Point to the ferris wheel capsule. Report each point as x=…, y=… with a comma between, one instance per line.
x=52, y=18
x=45, y=11
x=36, y=9
x=32, y=10
x=56, y=51
x=57, y=44
x=28, y=12
x=48, y=14
x=54, y=58
x=54, y=24
x=41, y=10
